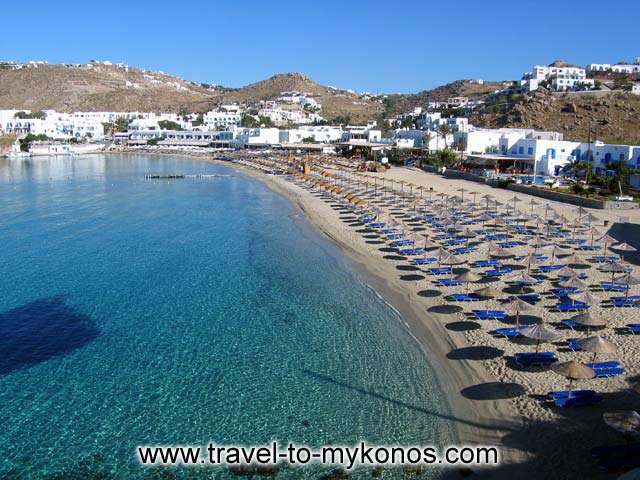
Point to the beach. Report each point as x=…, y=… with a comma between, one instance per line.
x=494, y=402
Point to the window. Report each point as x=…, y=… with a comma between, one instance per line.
x=530, y=150
x=520, y=150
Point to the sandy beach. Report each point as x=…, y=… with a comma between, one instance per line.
x=494, y=401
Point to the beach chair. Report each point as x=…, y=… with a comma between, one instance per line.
x=509, y=244
x=395, y=236
x=533, y=359
x=570, y=393
x=606, y=369
x=448, y=282
x=589, y=247
x=572, y=306
x=623, y=303
x=497, y=236
x=463, y=297
x=549, y=268
x=401, y=243
x=463, y=250
x=581, y=276
x=412, y=251
x=489, y=314
x=633, y=328
x=604, y=258
x=376, y=224
x=614, y=286
x=579, y=401
x=497, y=272
x=510, y=332
x=493, y=262
x=532, y=298
x=439, y=271
x=563, y=292
x=424, y=260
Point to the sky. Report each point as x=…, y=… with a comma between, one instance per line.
x=375, y=46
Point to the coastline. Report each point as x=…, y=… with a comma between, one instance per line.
x=476, y=423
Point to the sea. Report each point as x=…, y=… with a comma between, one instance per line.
x=205, y=309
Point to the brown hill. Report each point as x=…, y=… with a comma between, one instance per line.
x=98, y=87
x=335, y=102
x=613, y=116
x=398, y=103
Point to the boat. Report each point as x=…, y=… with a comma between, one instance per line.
x=16, y=153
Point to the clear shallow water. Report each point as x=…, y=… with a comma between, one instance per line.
x=182, y=312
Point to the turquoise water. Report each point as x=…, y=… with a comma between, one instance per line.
x=182, y=312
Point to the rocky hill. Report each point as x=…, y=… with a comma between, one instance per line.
x=336, y=102
x=99, y=87
x=611, y=116
x=398, y=103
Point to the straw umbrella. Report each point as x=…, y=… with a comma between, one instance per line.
x=584, y=297
x=489, y=293
x=529, y=260
x=608, y=240
x=624, y=247
x=616, y=267
x=574, y=370
x=540, y=333
x=628, y=280
x=518, y=306
x=587, y=320
x=597, y=344
x=573, y=282
x=468, y=277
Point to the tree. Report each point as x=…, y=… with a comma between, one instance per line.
x=426, y=140
x=36, y=115
x=265, y=122
x=444, y=130
x=26, y=141
x=249, y=121
x=168, y=125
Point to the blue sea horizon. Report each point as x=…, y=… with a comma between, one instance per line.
x=181, y=312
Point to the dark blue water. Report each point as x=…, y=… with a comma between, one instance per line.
x=182, y=312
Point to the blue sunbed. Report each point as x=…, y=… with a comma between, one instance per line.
x=509, y=244
x=439, y=271
x=580, y=401
x=614, y=286
x=497, y=236
x=589, y=247
x=563, y=291
x=401, y=243
x=510, y=332
x=463, y=297
x=376, y=224
x=489, y=314
x=424, y=260
x=633, y=298
x=572, y=306
x=496, y=272
x=570, y=393
x=604, y=258
x=449, y=282
x=395, y=236
x=533, y=359
x=624, y=303
x=549, y=268
x=633, y=328
x=412, y=251
x=463, y=250
x=529, y=297
x=494, y=262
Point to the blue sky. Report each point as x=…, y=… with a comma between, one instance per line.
x=390, y=46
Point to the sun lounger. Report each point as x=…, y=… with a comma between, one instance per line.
x=424, y=260
x=575, y=241
x=530, y=297
x=494, y=262
x=624, y=303
x=633, y=328
x=463, y=250
x=589, y=247
x=412, y=251
x=510, y=332
x=604, y=258
x=376, y=224
x=533, y=359
x=401, y=243
x=395, y=236
x=439, y=271
x=449, y=282
x=581, y=276
x=496, y=272
x=614, y=286
x=509, y=244
x=570, y=393
x=549, y=268
x=580, y=401
x=572, y=306
x=497, y=236
x=562, y=292
x=633, y=298
x=456, y=241
x=388, y=231
x=463, y=297
x=489, y=314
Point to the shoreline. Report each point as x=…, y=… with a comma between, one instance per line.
x=474, y=423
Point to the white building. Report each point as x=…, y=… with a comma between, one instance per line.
x=257, y=137
x=221, y=118
x=318, y=134
x=636, y=88
x=563, y=76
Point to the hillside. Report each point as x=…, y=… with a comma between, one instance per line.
x=335, y=102
x=98, y=87
x=398, y=103
x=614, y=116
